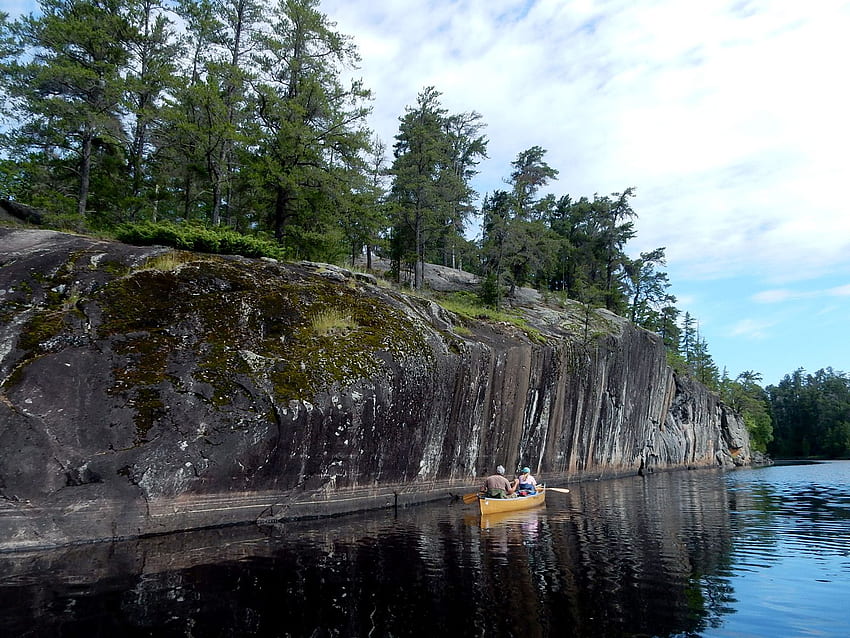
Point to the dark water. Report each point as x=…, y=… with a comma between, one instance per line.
x=763, y=552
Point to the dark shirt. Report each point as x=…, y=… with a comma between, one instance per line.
x=497, y=482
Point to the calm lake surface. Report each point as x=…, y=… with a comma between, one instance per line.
x=754, y=552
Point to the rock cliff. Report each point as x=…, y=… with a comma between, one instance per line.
x=146, y=390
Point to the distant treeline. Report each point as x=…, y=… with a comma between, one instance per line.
x=804, y=416
x=811, y=415
x=239, y=126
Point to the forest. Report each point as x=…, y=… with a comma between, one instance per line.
x=240, y=126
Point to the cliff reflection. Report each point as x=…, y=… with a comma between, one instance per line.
x=615, y=558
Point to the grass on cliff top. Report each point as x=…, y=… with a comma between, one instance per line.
x=469, y=306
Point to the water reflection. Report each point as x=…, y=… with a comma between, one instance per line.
x=660, y=556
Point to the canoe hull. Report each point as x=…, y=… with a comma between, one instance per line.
x=497, y=505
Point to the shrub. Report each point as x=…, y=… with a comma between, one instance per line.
x=219, y=241
x=331, y=322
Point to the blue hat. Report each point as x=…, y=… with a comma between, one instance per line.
x=526, y=470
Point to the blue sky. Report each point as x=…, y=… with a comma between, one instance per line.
x=730, y=117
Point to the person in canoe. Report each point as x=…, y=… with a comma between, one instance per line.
x=526, y=484
x=497, y=486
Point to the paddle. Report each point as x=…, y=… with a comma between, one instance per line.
x=562, y=490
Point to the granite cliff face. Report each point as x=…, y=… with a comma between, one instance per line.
x=143, y=391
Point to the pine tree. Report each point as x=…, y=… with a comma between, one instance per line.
x=434, y=158
x=67, y=95
x=154, y=50
x=647, y=287
x=307, y=127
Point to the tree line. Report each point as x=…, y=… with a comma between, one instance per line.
x=811, y=414
x=238, y=114
x=240, y=124
x=229, y=112
x=803, y=416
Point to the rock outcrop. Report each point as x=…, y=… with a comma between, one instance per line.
x=145, y=390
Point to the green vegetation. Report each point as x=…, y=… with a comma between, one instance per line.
x=231, y=128
x=435, y=158
x=227, y=128
x=804, y=416
x=471, y=307
x=332, y=322
x=811, y=415
x=172, y=260
x=194, y=237
x=751, y=401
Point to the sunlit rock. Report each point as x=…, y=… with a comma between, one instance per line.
x=146, y=390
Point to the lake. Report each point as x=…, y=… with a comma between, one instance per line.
x=753, y=552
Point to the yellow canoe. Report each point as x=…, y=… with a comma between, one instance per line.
x=525, y=518
x=496, y=505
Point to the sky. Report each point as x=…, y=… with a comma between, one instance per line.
x=731, y=118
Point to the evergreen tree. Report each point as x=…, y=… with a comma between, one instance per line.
x=616, y=231
x=665, y=324
x=573, y=224
x=154, y=50
x=496, y=212
x=592, y=235
x=365, y=216
x=811, y=414
x=190, y=137
x=517, y=241
x=467, y=147
x=434, y=158
x=308, y=128
x=530, y=173
x=66, y=92
x=702, y=365
x=751, y=401
x=688, y=340
x=647, y=287
x=239, y=23
x=209, y=115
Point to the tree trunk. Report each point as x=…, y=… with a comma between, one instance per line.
x=419, y=265
x=85, y=174
x=216, y=197
x=281, y=203
x=187, y=195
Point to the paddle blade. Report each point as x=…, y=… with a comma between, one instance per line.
x=470, y=498
x=562, y=490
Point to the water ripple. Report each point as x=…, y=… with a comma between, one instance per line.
x=761, y=552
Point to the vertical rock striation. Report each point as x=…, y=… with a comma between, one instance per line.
x=144, y=391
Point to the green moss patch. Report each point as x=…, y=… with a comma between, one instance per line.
x=219, y=308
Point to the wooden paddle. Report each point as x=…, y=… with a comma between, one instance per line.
x=562, y=490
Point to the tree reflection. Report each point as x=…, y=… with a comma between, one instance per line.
x=626, y=557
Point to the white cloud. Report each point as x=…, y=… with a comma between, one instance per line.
x=729, y=118
x=783, y=295
x=776, y=296
x=751, y=328
x=839, y=291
